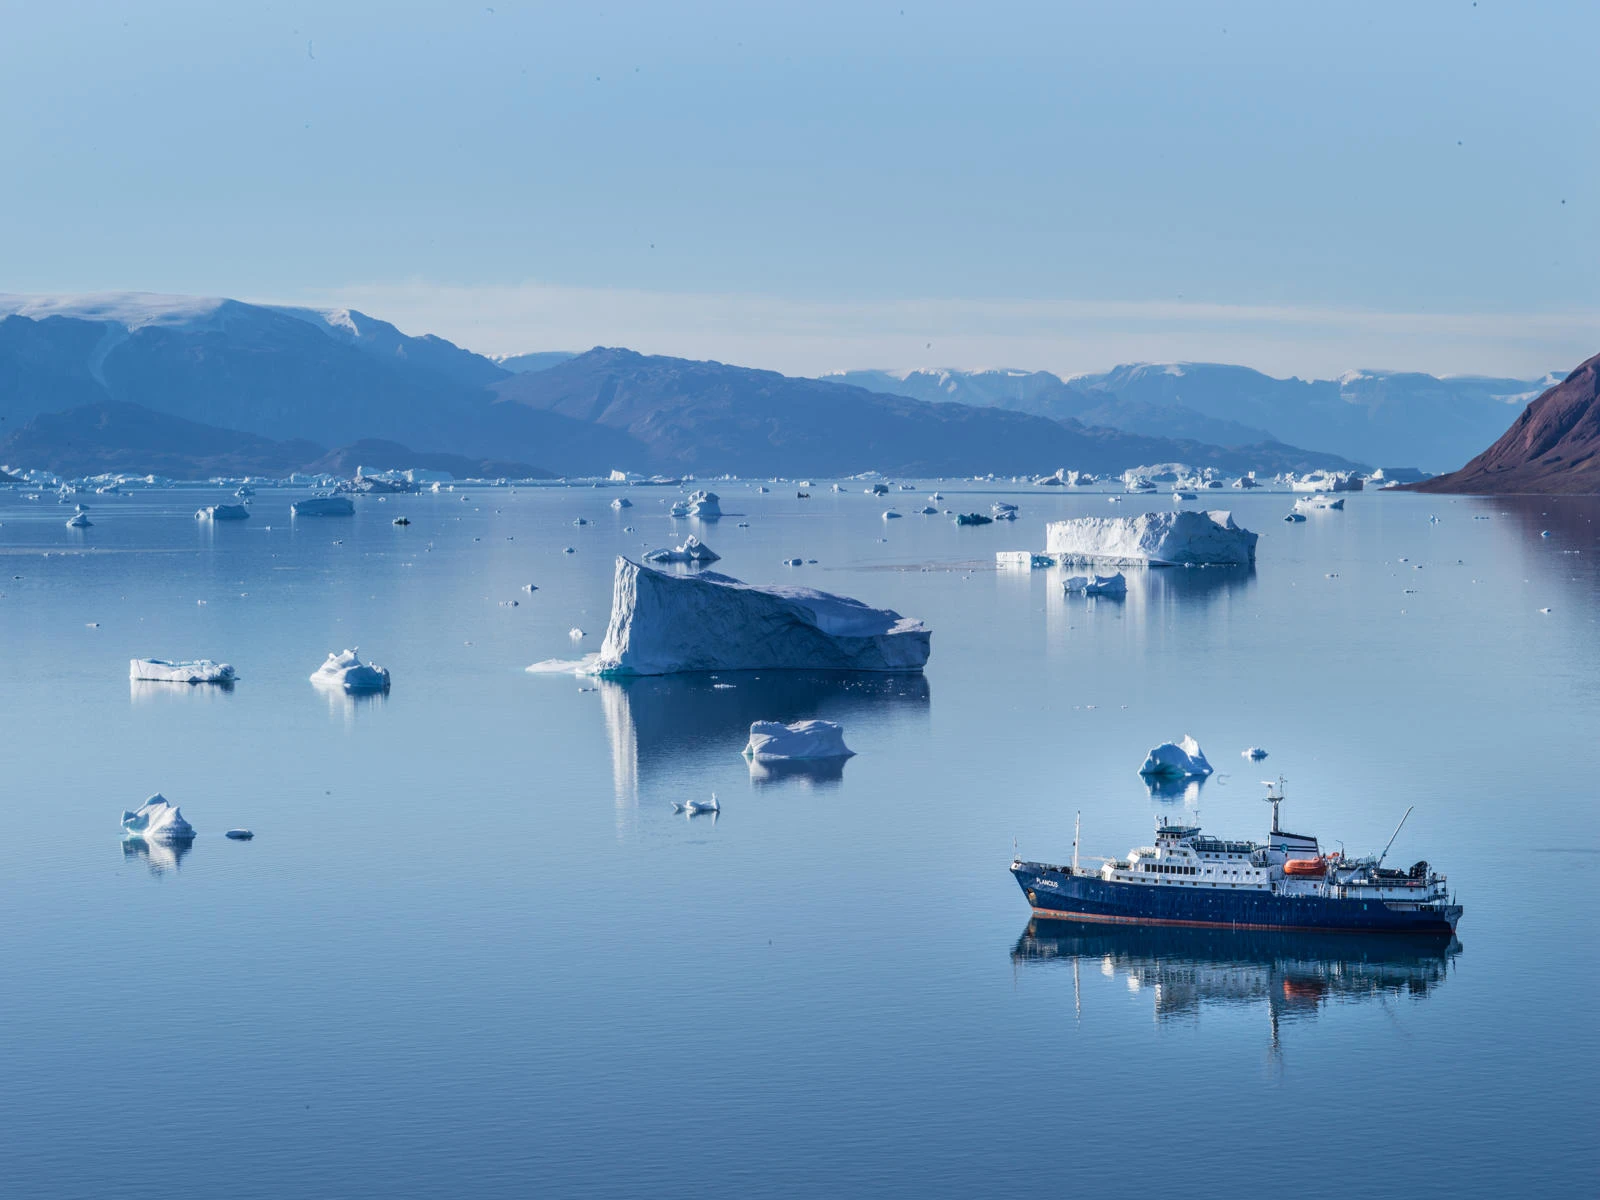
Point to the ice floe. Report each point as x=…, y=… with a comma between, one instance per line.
x=239, y=835
x=347, y=672
x=1185, y=538
x=222, y=512
x=693, y=550
x=199, y=670
x=773, y=741
x=1176, y=760
x=662, y=624
x=695, y=807
x=156, y=820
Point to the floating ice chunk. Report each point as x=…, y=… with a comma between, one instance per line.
x=1177, y=760
x=570, y=550
x=1021, y=560
x=1254, y=753
x=348, y=673
x=773, y=741
x=530, y=588
x=662, y=624
x=973, y=519
x=78, y=521
x=1158, y=539
x=581, y=521
x=695, y=807
x=239, y=835
x=889, y=514
x=324, y=506
x=794, y=562
x=704, y=505
x=1295, y=516
x=622, y=502
x=1546, y=611
x=157, y=821
x=1318, y=502
x=575, y=633
x=1096, y=585
x=222, y=512
x=693, y=550
x=929, y=511
x=199, y=670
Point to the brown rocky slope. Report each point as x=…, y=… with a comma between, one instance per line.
x=1553, y=448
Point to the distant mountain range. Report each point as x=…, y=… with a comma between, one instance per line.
x=126, y=381
x=1552, y=448
x=706, y=416
x=1382, y=417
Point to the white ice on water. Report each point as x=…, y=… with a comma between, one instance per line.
x=222, y=512
x=662, y=624
x=348, y=673
x=693, y=550
x=773, y=741
x=1096, y=585
x=157, y=821
x=1157, y=539
x=198, y=670
x=1177, y=760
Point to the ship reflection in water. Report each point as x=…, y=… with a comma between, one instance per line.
x=1293, y=974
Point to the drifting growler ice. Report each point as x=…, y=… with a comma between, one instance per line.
x=1157, y=539
x=662, y=624
x=773, y=741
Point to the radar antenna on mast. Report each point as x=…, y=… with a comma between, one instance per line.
x=1274, y=797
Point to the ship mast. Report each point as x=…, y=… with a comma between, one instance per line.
x=1274, y=797
x=1077, y=827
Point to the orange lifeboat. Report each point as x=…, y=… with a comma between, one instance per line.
x=1306, y=866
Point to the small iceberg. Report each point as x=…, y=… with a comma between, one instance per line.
x=705, y=505
x=324, y=506
x=929, y=511
x=889, y=514
x=773, y=741
x=222, y=512
x=696, y=807
x=157, y=821
x=78, y=521
x=1295, y=516
x=199, y=670
x=1176, y=760
x=693, y=550
x=347, y=672
x=1254, y=753
x=1097, y=585
x=239, y=835
x=622, y=502
x=973, y=519
x=1185, y=538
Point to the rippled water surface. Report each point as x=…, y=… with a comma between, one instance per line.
x=472, y=950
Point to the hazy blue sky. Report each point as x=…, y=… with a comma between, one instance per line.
x=1304, y=187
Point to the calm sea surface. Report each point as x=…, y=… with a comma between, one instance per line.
x=473, y=951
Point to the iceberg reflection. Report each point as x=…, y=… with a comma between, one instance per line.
x=160, y=857
x=659, y=723
x=1293, y=975
x=811, y=772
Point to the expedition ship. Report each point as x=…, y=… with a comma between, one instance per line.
x=1287, y=882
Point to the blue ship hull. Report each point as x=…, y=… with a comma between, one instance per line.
x=1056, y=892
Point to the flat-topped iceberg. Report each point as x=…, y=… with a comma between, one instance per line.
x=222, y=512
x=346, y=672
x=157, y=821
x=1157, y=539
x=693, y=550
x=773, y=741
x=322, y=506
x=199, y=670
x=663, y=624
x=1176, y=760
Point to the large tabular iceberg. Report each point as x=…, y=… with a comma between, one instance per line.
x=199, y=670
x=157, y=821
x=1157, y=539
x=1176, y=760
x=662, y=624
x=348, y=673
x=773, y=741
